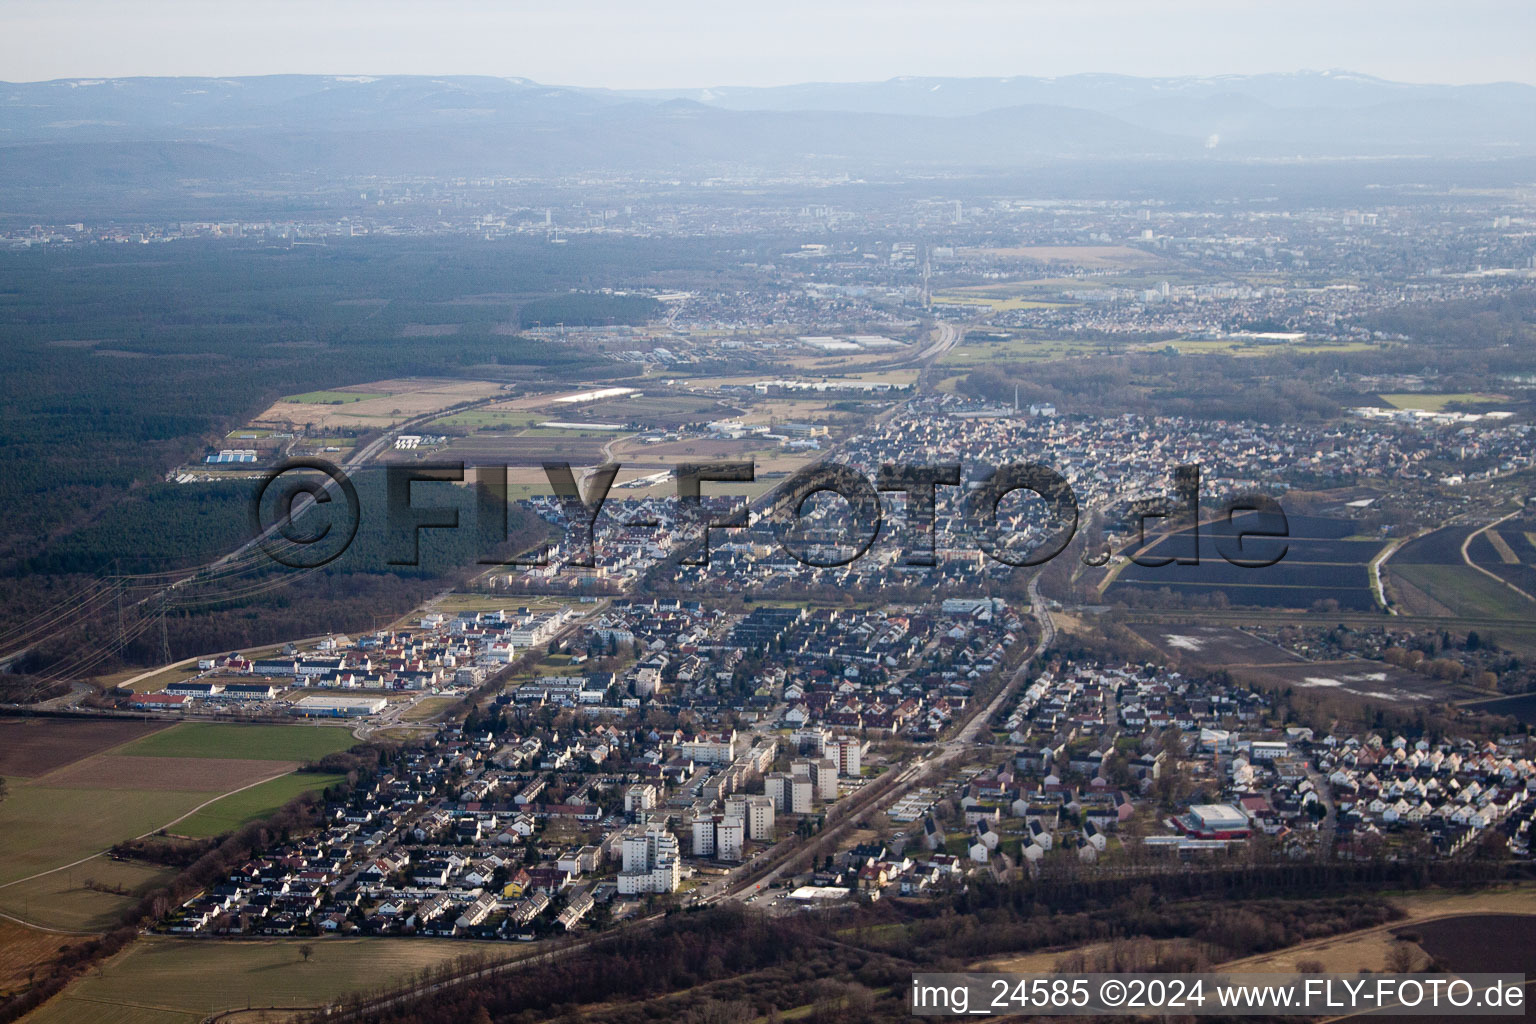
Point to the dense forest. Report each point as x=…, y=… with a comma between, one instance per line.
x=256, y=600
x=1466, y=345
x=588, y=309
x=120, y=363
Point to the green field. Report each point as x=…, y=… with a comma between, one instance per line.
x=976, y=351
x=997, y=303
x=480, y=419
x=450, y=604
x=428, y=708
x=1250, y=349
x=74, y=899
x=1465, y=591
x=249, y=804
x=158, y=979
x=43, y=828
x=1435, y=403
x=258, y=742
x=570, y=432
x=333, y=397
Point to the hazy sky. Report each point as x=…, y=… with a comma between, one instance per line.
x=652, y=43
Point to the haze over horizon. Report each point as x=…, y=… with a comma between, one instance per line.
x=689, y=44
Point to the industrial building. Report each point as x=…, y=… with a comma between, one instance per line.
x=326, y=706
x=1215, y=821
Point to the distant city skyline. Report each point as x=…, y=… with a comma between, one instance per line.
x=696, y=44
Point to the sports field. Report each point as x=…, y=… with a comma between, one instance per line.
x=256, y=742
x=157, y=979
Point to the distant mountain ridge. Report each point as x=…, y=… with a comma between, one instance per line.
x=160, y=128
x=1106, y=93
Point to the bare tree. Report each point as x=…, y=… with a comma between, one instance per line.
x=306, y=951
x=1400, y=958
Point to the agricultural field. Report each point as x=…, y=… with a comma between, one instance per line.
x=452, y=604
x=254, y=742
x=1463, y=591
x=189, y=773
x=90, y=897
x=659, y=410
x=995, y=299
x=43, y=828
x=570, y=428
x=1095, y=257
x=491, y=418
x=127, y=772
x=23, y=949
x=1438, y=403
x=427, y=709
x=1320, y=563
x=980, y=348
x=80, y=810
x=649, y=458
x=1438, y=547
x=381, y=404
x=334, y=397
x=1368, y=680
x=1430, y=575
x=1251, y=348
x=30, y=747
x=526, y=448
x=1436, y=916
x=841, y=365
x=766, y=411
x=1252, y=658
x=1499, y=943
x=250, y=804
x=158, y=979
x=1509, y=552
x=1521, y=707
x=1211, y=645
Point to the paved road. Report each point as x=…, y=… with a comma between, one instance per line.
x=949, y=336
x=910, y=777
x=749, y=880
